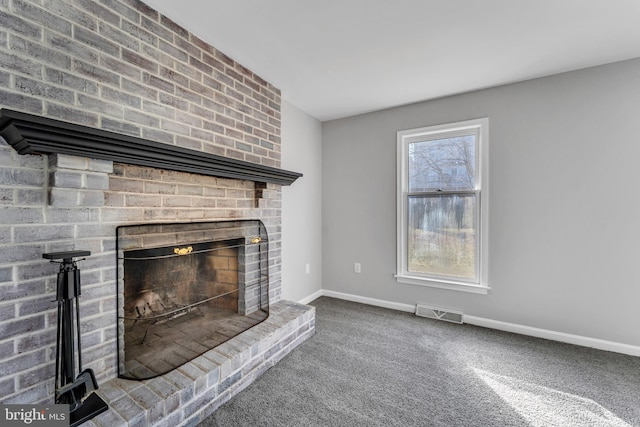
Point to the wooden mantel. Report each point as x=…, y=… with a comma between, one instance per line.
x=31, y=134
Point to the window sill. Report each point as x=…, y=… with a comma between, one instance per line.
x=443, y=284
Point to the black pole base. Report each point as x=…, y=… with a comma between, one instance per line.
x=68, y=255
x=89, y=408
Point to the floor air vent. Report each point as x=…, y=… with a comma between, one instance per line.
x=439, y=314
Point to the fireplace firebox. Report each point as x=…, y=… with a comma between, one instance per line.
x=186, y=288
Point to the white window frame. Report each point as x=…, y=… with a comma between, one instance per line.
x=480, y=284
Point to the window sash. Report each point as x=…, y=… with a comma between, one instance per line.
x=440, y=153
x=437, y=241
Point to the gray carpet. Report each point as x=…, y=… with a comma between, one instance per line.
x=370, y=366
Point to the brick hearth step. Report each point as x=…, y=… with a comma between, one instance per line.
x=190, y=393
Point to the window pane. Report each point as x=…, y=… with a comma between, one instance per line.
x=442, y=236
x=442, y=164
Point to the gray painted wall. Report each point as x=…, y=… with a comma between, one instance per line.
x=564, y=206
x=301, y=205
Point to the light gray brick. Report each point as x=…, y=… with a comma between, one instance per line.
x=22, y=177
x=17, y=24
x=229, y=381
x=151, y=402
x=143, y=62
x=21, y=253
x=6, y=196
x=6, y=274
x=89, y=308
x=63, y=197
x=29, y=197
x=23, y=361
x=141, y=200
x=91, y=339
x=151, y=187
x=177, y=201
x=7, y=312
x=15, y=291
x=161, y=387
x=92, y=39
x=118, y=126
x=35, y=50
x=175, y=127
x=34, y=376
x=71, y=215
x=66, y=161
x=197, y=375
x=122, y=215
x=109, y=31
x=110, y=418
x=71, y=114
x=63, y=178
x=96, y=230
x=98, y=322
x=7, y=387
x=99, y=106
x=91, y=198
x=35, y=271
x=172, y=420
x=156, y=29
x=200, y=402
x=43, y=90
x=64, y=43
x=128, y=409
x=126, y=185
x=183, y=383
x=97, y=292
x=98, y=165
x=122, y=97
x=110, y=391
x=102, y=351
x=35, y=395
x=190, y=190
x=97, y=181
x=75, y=82
x=114, y=199
x=36, y=341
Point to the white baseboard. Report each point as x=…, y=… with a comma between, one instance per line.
x=364, y=300
x=599, y=344
x=311, y=297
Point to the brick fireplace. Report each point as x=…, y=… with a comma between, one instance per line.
x=119, y=66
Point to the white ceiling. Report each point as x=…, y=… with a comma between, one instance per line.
x=336, y=58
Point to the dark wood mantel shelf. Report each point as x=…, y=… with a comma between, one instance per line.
x=31, y=134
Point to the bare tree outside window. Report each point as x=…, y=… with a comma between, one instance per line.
x=442, y=207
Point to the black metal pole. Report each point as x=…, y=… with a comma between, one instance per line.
x=76, y=285
x=72, y=389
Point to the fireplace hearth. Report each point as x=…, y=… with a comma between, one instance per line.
x=186, y=288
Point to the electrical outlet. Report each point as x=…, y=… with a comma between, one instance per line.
x=357, y=267
x=307, y=268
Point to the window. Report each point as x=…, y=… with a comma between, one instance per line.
x=442, y=206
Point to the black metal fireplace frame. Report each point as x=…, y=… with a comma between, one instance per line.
x=219, y=230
